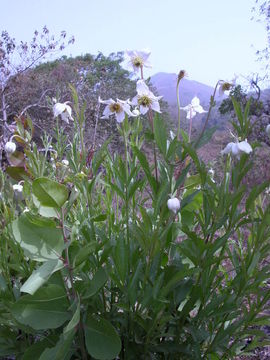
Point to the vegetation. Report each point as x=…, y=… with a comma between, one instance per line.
x=94, y=264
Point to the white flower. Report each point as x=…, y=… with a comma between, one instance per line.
x=10, y=147
x=237, y=148
x=137, y=59
x=173, y=204
x=26, y=210
x=268, y=129
x=65, y=162
x=63, y=110
x=193, y=108
x=225, y=87
x=118, y=108
x=18, y=188
x=145, y=99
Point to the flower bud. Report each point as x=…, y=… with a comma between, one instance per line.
x=136, y=112
x=10, y=147
x=65, y=162
x=18, y=188
x=173, y=205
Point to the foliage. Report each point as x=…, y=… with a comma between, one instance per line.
x=18, y=58
x=237, y=93
x=98, y=267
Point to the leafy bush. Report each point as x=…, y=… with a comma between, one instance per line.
x=95, y=265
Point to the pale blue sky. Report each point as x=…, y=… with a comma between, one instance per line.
x=210, y=39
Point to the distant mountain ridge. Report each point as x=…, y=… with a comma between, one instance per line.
x=165, y=83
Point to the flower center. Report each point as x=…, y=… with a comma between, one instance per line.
x=226, y=86
x=115, y=108
x=144, y=100
x=137, y=61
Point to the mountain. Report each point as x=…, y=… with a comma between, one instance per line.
x=165, y=84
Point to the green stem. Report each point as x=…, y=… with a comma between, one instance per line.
x=212, y=104
x=178, y=107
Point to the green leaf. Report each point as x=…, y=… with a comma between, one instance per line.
x=61, y=351
x=41, y=275
x=45, y=211
x=145, y=165
x=50, y=193
x=46, y=309
x=74, y=321
x=39, y=237
x=17, y=173
x=160, y=134
x=34, y=351
x=101, y=339
x=98, y=281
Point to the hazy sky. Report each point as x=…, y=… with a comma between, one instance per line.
x=210, y=39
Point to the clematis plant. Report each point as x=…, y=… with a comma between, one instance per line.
x=145, y=99
x=64, y=110
x=117, y=108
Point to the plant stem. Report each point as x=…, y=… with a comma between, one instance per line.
x=178, y=107
x=212, y=104
x=74, y=295
x=150, y=117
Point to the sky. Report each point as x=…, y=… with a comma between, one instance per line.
x=210, y=39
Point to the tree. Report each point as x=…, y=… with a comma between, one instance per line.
x=262, y=14
x=17, y=58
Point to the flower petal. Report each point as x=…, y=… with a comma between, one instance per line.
x=120, y=116
x=143, y=109
x=142, y=88
x=245, y=147
x=227, y=149
x=199, y=109
x=195, y=101
x=155, y=106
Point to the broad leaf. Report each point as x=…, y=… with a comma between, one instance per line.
x=101, y=339
x=39, y=238
x=46, y=309
x=50, y=193
x=41, y=275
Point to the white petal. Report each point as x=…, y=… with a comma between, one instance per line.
x=190, y=114
x=106, y=102
x=58, y=108
x=195, y=101
x=143, y=109
x=65, y=117
x=155, y=106
x=245, y=147
x=228, y=148
x=120, y=116
x=186, y=108
x=142, y=88
x=107, y=112
x=126, y=108
x=235, y=149
x=199, y=109
x=134, y=101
